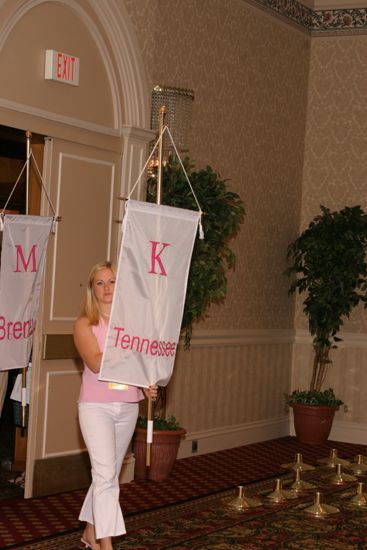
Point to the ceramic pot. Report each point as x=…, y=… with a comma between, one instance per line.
x=313, y=423
x=163, y=453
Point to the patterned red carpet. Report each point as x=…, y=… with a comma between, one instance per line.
x=51, y=522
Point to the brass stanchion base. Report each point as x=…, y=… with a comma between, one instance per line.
x=298, y=485
x=339, y=478
x=360, y=498
x=319, y=509
x=332, y=460
x=359, y=468
x=279, y=494
x=241, y=502
x=298, y=464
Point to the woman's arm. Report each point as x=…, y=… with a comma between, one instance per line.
x=86, y=344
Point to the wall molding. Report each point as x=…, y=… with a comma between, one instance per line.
x=242, y=337
x=349, y=339
x=127, y=54
x=60, y=346
x=235, y=337
x=266, y=336
x=227, y=437
x=61, y=119
x=216, y=338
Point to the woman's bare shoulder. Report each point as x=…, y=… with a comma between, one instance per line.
x=82, y=323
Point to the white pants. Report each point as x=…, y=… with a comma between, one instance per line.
x=107, y=429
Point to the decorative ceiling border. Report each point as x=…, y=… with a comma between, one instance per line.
x=348, y=20
x=336, y=21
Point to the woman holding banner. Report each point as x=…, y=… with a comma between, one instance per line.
x=107, y=414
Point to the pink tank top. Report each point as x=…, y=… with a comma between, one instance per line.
x=98, y=391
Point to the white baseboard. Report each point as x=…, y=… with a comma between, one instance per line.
x=348, y=432
x=234, y=436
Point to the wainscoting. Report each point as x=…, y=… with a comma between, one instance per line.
x=227, y=391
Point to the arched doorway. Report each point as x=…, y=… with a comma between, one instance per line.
x=96, y=137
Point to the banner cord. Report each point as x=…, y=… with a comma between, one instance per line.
x=201, y=231
x=166, y=129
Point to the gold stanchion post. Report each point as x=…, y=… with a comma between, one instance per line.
x=162, y=114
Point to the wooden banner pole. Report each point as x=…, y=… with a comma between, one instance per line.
x=28, y=135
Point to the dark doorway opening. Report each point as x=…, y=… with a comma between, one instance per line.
x=13, y=156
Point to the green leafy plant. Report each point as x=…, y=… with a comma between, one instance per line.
x=329, y=267
x=159, y=423
x=326, y=397
x=212, y=257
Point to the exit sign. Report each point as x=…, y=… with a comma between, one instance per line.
x=62, y=67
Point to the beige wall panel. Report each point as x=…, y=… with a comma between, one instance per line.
x=54, y=396
x=249, y=73
x=217, y=386
x=84, y=189
x=57, y=26
x=335, y=171
x=61, y=432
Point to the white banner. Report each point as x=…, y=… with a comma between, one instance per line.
x=22, y=260
x=149, y=297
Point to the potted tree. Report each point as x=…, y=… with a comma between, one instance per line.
x=328, y=263
x=212, y=257
x=207, y=283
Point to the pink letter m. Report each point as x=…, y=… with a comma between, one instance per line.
x=31, y=258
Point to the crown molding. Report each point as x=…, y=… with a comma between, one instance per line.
x=320, y=17
x=322, y=5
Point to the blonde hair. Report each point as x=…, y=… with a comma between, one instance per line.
x=91, y=308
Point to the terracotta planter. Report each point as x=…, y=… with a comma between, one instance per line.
x=163, y=453
x=312, y=423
